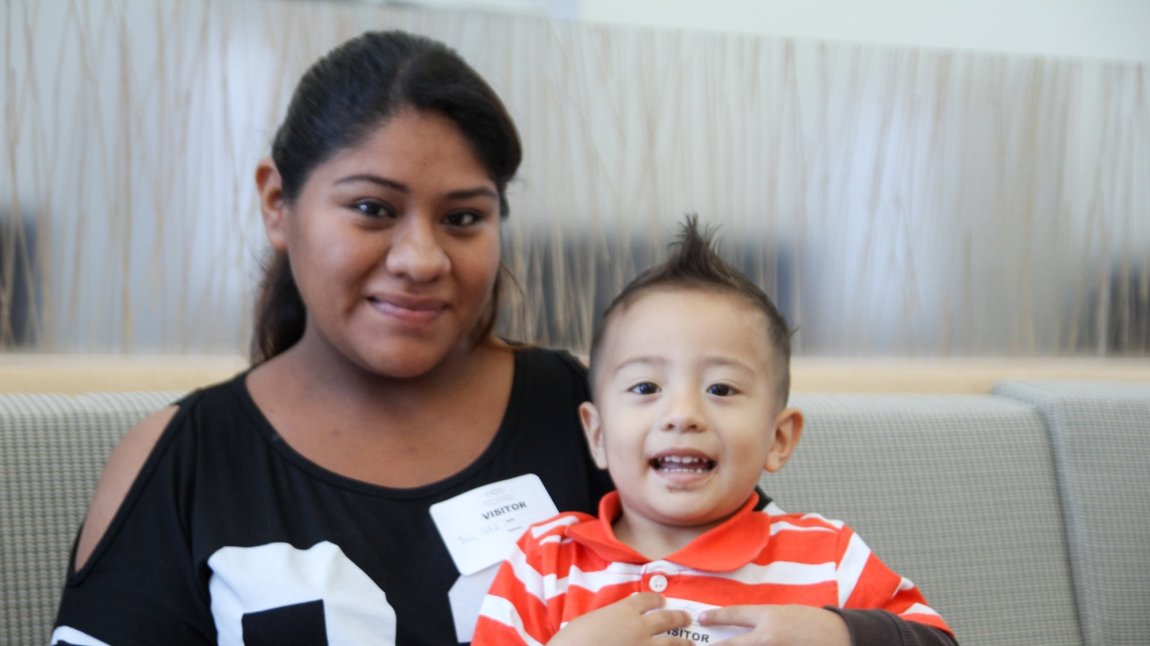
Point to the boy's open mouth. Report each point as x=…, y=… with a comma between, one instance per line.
x=675, y=463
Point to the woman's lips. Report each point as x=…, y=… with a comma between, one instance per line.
x=408, y=310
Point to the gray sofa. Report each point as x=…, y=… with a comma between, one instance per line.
x=1022, y=513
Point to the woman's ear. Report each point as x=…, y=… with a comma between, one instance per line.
x=593, y=429
x=269, y=186
x=788, y=429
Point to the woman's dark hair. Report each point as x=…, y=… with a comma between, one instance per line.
x=338, y=103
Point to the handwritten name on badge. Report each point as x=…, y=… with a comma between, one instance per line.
x=480, y=527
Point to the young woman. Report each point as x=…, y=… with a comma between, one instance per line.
x=294, y=503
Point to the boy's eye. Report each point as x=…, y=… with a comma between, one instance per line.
x=644, y=388
x=374, y=209
x=462, y=218
x=720, y=390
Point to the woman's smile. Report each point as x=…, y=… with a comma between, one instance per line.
x=408, y=309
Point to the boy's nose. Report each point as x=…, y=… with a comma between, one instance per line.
x=685, y=414
x=416, y=252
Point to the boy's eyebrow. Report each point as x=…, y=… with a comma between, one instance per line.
x=646, y=359
x=726, y=361
x=460, y=194
x=656, y=360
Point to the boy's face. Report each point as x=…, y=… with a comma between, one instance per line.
x=686, y=414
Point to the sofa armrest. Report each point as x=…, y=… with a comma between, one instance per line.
x=1100, y=433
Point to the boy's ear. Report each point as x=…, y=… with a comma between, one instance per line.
x=788, y=429
x=269, y=186
x=593, y=429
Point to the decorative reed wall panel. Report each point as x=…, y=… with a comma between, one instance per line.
x=895, y=201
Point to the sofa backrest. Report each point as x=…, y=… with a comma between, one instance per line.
x=1101, y=439
x=956, y=493
x=53, y=449
x=963, y=494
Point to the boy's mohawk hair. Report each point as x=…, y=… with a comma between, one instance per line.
x=696, y=264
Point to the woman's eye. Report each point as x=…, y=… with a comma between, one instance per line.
x=720, y=390
x=461, y=219
x=374, y=209
x=645, y=388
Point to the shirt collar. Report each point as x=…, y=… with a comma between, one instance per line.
x=726, y=547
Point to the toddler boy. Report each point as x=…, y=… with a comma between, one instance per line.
x=690, y=375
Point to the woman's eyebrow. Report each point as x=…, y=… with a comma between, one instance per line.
x=374, y=179
x=468, y=193
x=458, y=194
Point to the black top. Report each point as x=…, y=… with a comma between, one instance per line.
x=228, y=531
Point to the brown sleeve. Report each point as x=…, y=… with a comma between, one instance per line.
x=881, y=628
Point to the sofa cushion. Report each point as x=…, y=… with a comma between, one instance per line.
x=956, y=493
x=1101, y=438
x=53, y=449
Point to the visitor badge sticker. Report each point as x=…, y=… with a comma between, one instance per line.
x=480, y=527
x=696, y=633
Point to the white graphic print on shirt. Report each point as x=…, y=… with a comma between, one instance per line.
x=317, y=589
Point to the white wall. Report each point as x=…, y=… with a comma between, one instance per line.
x=897, y=201
x=1093, y=29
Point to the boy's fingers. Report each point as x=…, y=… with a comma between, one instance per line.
x=748, y=639
x=660, y=621
x=732, y=616
x=645, y=601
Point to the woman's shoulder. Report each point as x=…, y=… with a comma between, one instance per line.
x=555, y=360
x=232, y=388
x=550, y=378
x=120, y=471
x=127, y=461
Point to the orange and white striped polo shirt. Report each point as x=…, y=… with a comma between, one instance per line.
x=573, y=563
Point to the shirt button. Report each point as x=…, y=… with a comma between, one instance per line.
x=658, y=583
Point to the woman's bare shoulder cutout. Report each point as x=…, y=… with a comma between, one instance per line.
x=120, y=472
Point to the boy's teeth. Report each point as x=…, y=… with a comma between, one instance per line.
x=683, y=463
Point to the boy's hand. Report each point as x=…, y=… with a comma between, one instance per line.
x=635, y=620
x=780, y=625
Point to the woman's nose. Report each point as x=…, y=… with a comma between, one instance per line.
x=416, y=252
